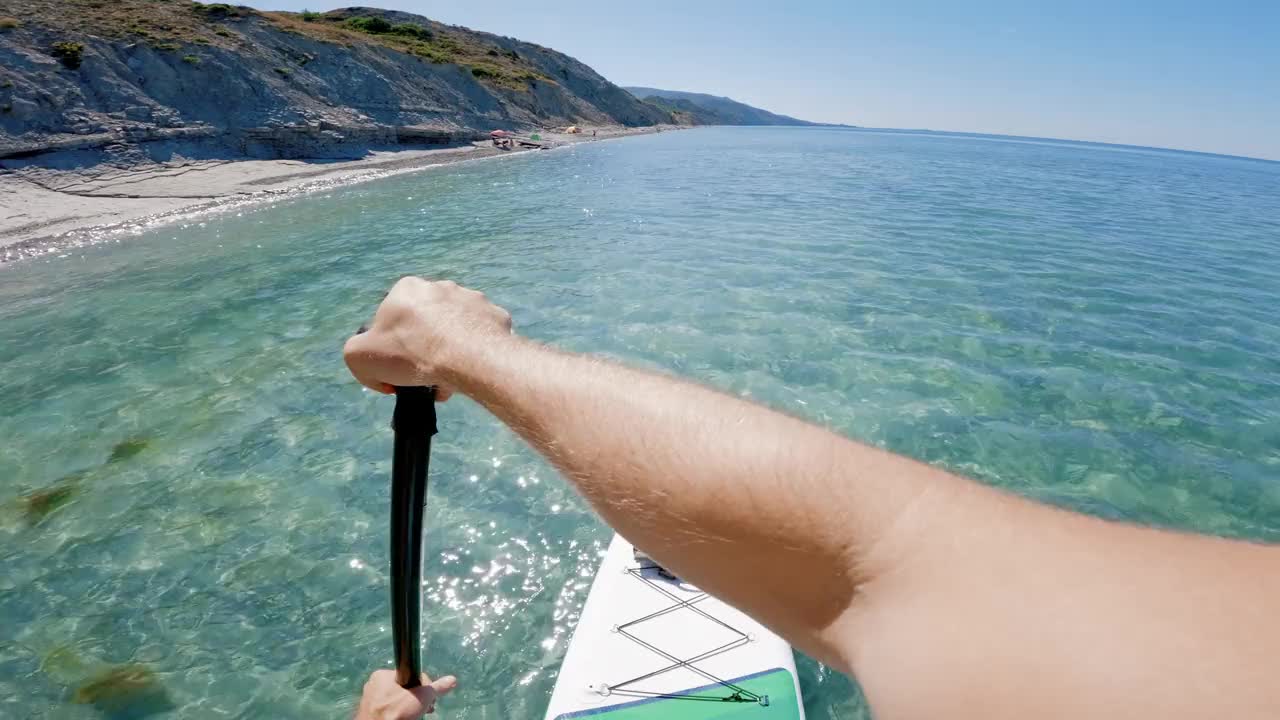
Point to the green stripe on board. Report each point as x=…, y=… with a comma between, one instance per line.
x=776, y=683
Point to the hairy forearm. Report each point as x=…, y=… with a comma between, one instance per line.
x=916, y=578
x=772, y=514
x=948, y=598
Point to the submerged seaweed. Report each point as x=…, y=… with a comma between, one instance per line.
x=124, y=691
x=127, y=448
x=37, y=505
x=40, y=504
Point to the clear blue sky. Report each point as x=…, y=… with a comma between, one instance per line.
x=1192, y=75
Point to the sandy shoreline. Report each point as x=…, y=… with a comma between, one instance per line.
x=42, y=211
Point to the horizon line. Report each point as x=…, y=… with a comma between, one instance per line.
x=1074, y=141
x=1001, y=136
x=955, y=132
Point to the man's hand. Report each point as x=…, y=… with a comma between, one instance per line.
x=421, y=331
x=383, y=699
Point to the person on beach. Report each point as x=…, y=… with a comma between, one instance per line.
x=944, y=597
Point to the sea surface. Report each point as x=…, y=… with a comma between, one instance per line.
x=193, y=492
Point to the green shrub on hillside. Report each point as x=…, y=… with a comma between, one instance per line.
x=411, y=30
x=310, y=16
x=224, y=32
x=70, y=54
x=379, y=26
x=447, y=44
x=8, y=23
x=167, y=46
x=512, y=79
x=283, y=72
x=216, y=9
x=496, y=75
x=485, y=61
x=191, y=59
x=371, y=25
x=431, y=53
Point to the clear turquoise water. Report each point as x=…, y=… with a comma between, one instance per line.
x=1092, y=326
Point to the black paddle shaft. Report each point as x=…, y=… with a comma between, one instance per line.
x=414, y=422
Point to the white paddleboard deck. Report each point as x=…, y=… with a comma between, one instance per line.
x=650, y=647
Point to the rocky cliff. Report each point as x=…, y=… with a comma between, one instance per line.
x=113, y=75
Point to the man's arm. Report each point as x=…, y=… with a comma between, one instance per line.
x=943, y=595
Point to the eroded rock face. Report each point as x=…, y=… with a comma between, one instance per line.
x=250, y=85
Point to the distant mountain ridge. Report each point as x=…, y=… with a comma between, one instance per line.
x=705, y=109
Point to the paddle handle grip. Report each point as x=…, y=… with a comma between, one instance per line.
x=414, y=422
